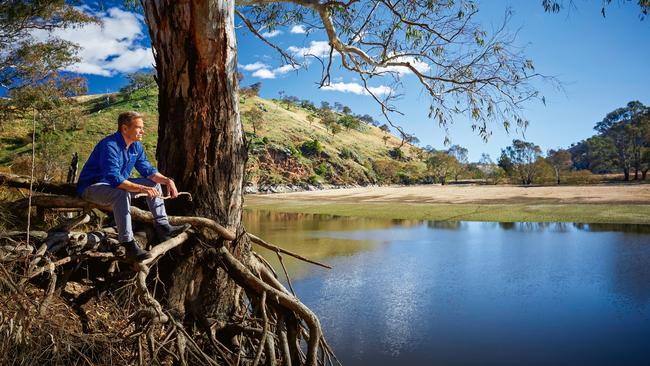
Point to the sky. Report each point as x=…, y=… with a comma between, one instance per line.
x=601, y=63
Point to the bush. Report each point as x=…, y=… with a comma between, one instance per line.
x=496, y=175
x=396, y=153
x=293, y=151
x=545, y=173
x=311, y=148
x=405, y=179
x=321, y=169
x=411, y=173
x=314, y=180
x=349, y=122
x=346, y=154
x=580, y=177
x=385, y=170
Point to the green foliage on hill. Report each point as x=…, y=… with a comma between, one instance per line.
x=291, y=144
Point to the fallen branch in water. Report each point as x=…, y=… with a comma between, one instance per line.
x=277, y=249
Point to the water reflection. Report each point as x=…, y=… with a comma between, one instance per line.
x=628, y=228
x=312, y=235
x=419, y=292
x=445, y=225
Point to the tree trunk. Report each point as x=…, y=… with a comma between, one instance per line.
x=644, y=174
x=626, y=174
x=200, y=139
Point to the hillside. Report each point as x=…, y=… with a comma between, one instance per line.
x=291, y=146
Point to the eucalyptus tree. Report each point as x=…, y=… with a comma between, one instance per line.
x=523, y=157
x=460, y=153
x=464, y=69
x=442, y=166
x=31, y=80
x=628, y=130
x=30, y=66
x=596, y=153
x=560, y=160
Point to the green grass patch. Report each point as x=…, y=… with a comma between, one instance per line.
x=579, y=213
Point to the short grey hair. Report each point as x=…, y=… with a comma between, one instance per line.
x=125, y=118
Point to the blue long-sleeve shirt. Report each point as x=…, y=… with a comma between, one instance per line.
x=111, y=162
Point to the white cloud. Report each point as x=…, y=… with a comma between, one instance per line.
x=109, y=48
x=380, y=90
x=358, y=89
x=88, y=68
x=264, y=74
x=298, y=29
x=420, y=66
x=272, y=33
x=316, y=48
x=254, y=66
x=285, y=69
x=132, y=60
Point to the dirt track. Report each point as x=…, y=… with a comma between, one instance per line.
x=611, y=193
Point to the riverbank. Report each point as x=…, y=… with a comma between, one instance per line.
x=626, y=204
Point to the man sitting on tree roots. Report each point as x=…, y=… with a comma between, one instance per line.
x=104, y=180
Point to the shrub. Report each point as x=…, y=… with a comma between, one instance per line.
x=581, y=177
x=385, y=170
x=314, y=180
x=545, y=173
x=349, y=122
x=346, y=153
x=396, y=153
x=321, y=169
x=411, y=173
x=311, y=148
x=293, y=151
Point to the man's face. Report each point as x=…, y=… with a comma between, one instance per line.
x=134, y=131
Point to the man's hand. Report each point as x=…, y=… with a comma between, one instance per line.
x=150, y=191
x=171, y=188
x=161, y=179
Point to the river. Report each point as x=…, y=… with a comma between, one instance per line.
x=470, y=293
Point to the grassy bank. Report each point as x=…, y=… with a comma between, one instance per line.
x=515, y=212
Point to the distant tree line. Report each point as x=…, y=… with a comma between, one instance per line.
x=621, y=144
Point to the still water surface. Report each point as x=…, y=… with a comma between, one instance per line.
x=471, y=293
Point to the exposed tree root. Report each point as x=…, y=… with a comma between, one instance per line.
x=271, y=327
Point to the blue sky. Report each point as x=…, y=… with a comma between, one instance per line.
x=601, y=62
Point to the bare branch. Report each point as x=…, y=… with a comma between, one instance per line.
x=462, y=67
x=285, y=56
x=277, y=249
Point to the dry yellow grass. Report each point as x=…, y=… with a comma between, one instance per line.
x=626, y=204
x=616, y=194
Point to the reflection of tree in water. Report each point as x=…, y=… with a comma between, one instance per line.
x=307, y=234
x=259, y=221
x=532, y=227
x=626, y=228
x=446, y=225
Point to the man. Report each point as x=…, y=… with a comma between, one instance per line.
x=104, y=180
